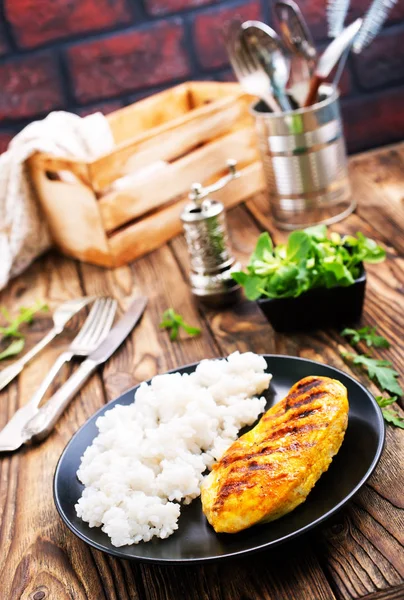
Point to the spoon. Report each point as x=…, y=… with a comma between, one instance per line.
x=265, y=49
x=298, y=40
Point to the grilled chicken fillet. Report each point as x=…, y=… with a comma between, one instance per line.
x=271, y=469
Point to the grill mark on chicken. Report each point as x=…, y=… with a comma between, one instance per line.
x=237, y=487
x=266, y=451
x=304, y=386
x=234, y=487
x=305, y=400
x=306, y=413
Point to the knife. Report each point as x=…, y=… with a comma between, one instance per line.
x=39, y=426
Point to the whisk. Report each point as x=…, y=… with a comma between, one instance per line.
x=372, y=23
x=336, y=14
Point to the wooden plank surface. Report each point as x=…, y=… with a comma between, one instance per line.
x=358, y=554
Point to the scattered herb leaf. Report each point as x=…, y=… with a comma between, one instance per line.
x=172, y=321
x=368, y=335
x=383, y=402
x=25, y=315
x=12, y=328
x=310, y=259
x=14, y=348
x=380, y=370
x=391, y=416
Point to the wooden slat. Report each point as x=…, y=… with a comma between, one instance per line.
x=154, y=111
x=152, y=231
x=202, y=92
x=73, y=218
x=377, y=184
x=170, y=140
x=396, y=593
x=145, y=195
x=284, y=574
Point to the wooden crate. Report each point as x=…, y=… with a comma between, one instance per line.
x=100, y=212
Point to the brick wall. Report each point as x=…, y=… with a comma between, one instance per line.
x=86, y=55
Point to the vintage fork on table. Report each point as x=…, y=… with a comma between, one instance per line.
x=61, y=316
x=93, y=332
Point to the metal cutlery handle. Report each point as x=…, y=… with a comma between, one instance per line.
x=9, y=373
x=283, y=100
x=42, y=424
x=50, y=376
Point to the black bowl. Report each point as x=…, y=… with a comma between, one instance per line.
x=317, y=308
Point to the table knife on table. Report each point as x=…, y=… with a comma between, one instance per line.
x=39, y=426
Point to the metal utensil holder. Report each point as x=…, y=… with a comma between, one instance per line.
x=305, y=162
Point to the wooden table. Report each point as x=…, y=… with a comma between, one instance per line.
x=358, y=554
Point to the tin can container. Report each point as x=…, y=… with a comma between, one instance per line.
x=305, y=162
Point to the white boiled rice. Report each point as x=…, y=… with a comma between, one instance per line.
x=152, y=454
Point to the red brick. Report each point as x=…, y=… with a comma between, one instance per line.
x=381, y=63
x=374, y=120
x=29, y=87
x=208, y=32
x=129, y=61
x=35, y=22
x=163, y=7
x=345, y=83
x=5, y=138
x=227, y=76
x=104, y=107
x=315, y=15
x=3, y=42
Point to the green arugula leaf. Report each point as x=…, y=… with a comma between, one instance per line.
x=263, y=248
x=380, y=370
x=173, y=322
x=309, y=260
x=14, y=348
x=368, y=335
x=318, y=232
x=240, y=277
x=336, y=274
x=283, y=282
x=298, y=246
x=253, y=288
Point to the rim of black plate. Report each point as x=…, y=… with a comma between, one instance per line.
x=201, y=560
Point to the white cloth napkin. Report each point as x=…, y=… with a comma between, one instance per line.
x=23, y=231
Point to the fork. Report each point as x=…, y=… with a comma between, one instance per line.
x=251, y=76
x=93, y=332
x=61, y=316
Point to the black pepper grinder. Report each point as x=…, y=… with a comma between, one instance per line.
x=206, y=235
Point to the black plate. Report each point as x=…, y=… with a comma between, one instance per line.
x=195, y=541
